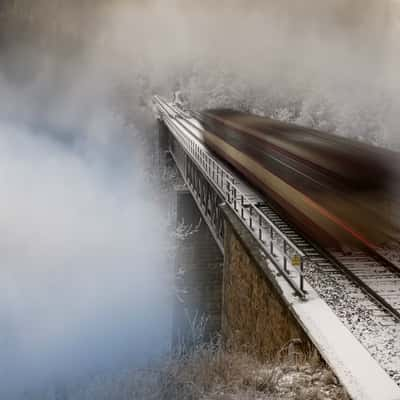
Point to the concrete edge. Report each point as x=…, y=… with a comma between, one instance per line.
x=357, y=371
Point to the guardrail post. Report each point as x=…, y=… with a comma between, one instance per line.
x=302, y=274
x=285, y=256
x=186, y=166
x=272, y=241
x=213, y=170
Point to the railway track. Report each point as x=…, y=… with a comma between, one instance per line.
x=376, y=276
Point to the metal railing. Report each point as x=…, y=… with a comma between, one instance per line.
x=285, y=255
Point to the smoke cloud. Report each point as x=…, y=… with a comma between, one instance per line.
x=84, y=275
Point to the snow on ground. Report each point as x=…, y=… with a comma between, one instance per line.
x=359, y=314
x=392, y=253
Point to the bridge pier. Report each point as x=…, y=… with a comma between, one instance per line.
x=198, y=282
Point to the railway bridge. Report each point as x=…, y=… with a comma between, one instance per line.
x=243, y=271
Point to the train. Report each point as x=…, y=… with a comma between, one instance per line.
x=338, y=191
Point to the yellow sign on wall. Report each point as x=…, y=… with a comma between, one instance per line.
x=296, y=260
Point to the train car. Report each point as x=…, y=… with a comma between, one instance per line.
x=336, y=190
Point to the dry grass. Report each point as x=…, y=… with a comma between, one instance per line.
x=211, y=372
x=214, y=373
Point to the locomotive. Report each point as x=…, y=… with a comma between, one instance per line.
x=339, y=191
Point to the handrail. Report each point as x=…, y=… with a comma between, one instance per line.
x=298, y=251
x=261, y=227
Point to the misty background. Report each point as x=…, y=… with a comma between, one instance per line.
x=85, y=265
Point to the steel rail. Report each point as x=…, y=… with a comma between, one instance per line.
x=381, y=261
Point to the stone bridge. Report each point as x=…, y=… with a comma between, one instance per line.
x=239, y=276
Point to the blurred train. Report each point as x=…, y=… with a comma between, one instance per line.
x=338, y=191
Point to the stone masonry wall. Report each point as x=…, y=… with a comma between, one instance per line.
x=254, y=315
